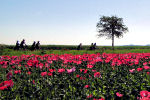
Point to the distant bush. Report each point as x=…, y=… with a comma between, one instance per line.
x=2, y=47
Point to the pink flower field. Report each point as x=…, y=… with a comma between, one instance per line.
x=71, y=77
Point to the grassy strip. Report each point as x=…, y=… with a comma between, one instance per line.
x=74, y=47
x=11, y=52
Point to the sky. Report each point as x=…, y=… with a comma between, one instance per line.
x=70, y=22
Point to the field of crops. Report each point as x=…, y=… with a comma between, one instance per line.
x=75, y=77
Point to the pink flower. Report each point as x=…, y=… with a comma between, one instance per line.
x=93, y=70
x=86, y=86
x=85, y=71
x=95, y=99
x=145, y=98
x=77, y=75
x=79, y=62
x=136, y=62
x=41, y=65
x=132, y=70
x=90, y=96
x=43, y=74
x=148, y=94
x=71, y=70
x=33, y=81
x=29, y=63
x=51, y=70
x=139, y=69
x=99, y=99
x=17, y=71
x=89, y=66
x=50, y=74
x=145, y=63
x=81, y=70
x=4, y=85
x=89, y=75
x=97, y=74
x=29, y=73
x=148, y=73
x=82, y=78
x=119, y=95
x=144, y=93
x=102, y=98
x=61, y=70
x=146, y=67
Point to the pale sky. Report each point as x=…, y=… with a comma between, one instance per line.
x=70, y=22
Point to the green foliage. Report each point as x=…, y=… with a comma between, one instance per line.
x=109, y=26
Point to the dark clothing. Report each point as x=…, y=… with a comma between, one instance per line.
x=91, y=47
x=79, y=46
x=94, y=46
x=33, y=46
x=22, y=44
x=37, y=46
x=17, y=46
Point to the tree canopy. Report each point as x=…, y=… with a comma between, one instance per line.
x=111, y=27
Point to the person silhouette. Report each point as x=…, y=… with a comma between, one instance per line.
x=37, y=46
x=33, y=46
x=91, y=47
x=22, y=44
x=79, y=46
x=17, y=45
x=94, y=46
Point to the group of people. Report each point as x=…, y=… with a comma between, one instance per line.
x=92, y=47
x=23, y=46
x=35, y=46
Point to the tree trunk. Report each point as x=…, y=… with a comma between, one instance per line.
x=113, y=41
